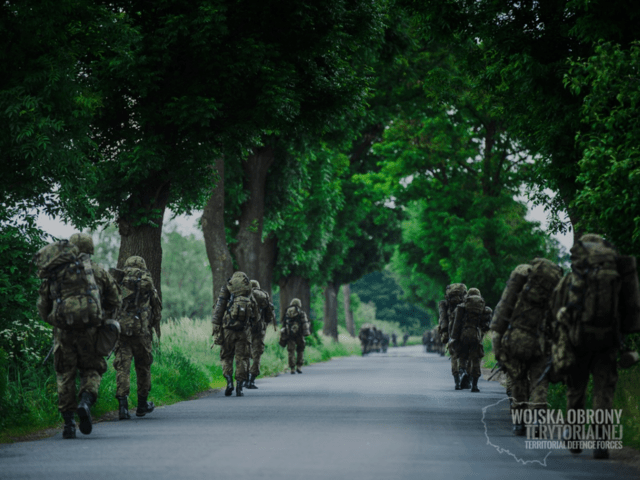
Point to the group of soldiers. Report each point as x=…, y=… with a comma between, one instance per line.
x=374, y=340
x=551, y=327
x=95, y=315
x=432, y=342
x=240, y=319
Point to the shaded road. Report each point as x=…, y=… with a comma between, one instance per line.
x=379, y=417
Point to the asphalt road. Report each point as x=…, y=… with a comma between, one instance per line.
x=384, y=416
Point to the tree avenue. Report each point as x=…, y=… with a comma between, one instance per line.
x=322, y=141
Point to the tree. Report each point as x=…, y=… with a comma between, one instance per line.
x=523, y=59
x=608, y=200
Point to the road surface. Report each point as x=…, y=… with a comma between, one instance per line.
x=384, y=416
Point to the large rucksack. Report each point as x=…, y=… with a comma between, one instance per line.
x=591, y=312
x=469, y=317
x=264, y=304
x=295, y=320
x=72, y=286
x=137, y=289
x=454, y=296
x=242, y=309
x=530, y=310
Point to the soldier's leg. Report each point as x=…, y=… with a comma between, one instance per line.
x=519, y=394
x=577, y=382
x=91, y=365
x=227, y=352
x=291, y=352
x=300, y=345
x=66, y=367
x=122, y=366
x=475, y=356
x=143, y=359
x=257, y=349
x=605, y=377
x=242, y=353
x=538, y=396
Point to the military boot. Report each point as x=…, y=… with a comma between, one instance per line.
x=456, y=378
x=251, y=382
x=298, y=370
x=474, y=384
x=123, y=411
x=239, y=388
x=144, y=407
x=229, y=390
x=69, y=430
x=519, y=430
x=84, y=411
x=293, y=371
x=465, y=383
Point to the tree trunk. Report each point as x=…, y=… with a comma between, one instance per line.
x=145, y=240
x=348, y=314
x=249, y=240
x=292, y=287
x=331, y=311
x=267, y=263
x=214, y=234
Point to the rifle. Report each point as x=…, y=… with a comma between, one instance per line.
x=48, y=355
x=494, y=372
x=547, y=369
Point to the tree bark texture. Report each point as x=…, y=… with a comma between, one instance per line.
x=249, y=240
x=348, y=314
x=267, y=263
x=331, y=311
x=214, y=234
x=292, y=287
x=145, y=240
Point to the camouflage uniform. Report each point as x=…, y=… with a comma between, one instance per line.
x=135, y=344
x=468, y=331
x=446, y=309
x=394, y=339
x=363, y=335
x=258, y=332
x=296, y=324
x=234, y=344
x=74, y=351
x=519, y=342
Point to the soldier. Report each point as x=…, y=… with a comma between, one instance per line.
x=518, y=344
x=233, y=315
x=62, y=302
x=454, y=295
x=470, y=324
x=600, y=301
x=394, y=339
x=295, y=328
x=364, y=335
x=405, y=338
x=141, y=313
x=384, y=342
x=426, y=340
x=258, y=332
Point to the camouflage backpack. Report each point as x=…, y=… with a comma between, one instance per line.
x=591, y=311
x=242, y=309
x=72, y=286
x=137, y=289
x=454, y=296
x=295, y=320
x=264, y=304
x=469, y=317
x=525, y=337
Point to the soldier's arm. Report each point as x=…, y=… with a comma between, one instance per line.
x=111, y=299
x=45, y=303
x=220, y=306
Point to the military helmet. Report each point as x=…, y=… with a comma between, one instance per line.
x=83, y=241
x=135, y=262
x=255, y=284
x=473, y=291
x=296, y=303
